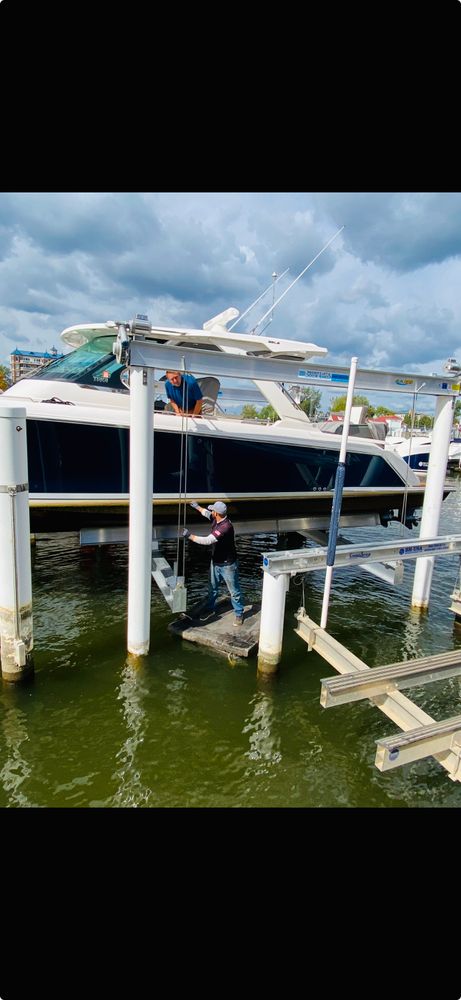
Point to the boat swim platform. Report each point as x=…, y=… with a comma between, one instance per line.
x=422, y=735
x=219, y=632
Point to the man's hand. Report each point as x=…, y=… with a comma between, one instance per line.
x=194, y=504
x=186, y=533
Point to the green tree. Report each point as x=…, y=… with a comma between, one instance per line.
x=268, y=413
x=5, y=378
x=457, y=413
x=249, y=412
x=340, y=403
x=382, y=411
x=425, y=422
x=310, y=401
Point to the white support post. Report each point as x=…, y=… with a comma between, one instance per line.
x=433, y=496
x=140, y=527
x=272, y=618
x=16, y=632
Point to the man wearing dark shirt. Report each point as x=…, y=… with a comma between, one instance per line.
x=224, y=565
x=184, y=393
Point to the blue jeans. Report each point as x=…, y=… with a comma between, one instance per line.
x=230, y=576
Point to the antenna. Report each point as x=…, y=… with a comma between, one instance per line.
x=259, y=298
x=274, y=275
x=295, y=280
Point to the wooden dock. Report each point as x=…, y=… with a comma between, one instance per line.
x=219, y=632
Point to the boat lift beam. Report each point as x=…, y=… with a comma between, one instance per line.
x=426, y=741
x=305, y=560
x=149, y=354
x=281, y=566
x=422, y=736
x=392, y=676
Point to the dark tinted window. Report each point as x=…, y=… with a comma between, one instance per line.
x=88, y=459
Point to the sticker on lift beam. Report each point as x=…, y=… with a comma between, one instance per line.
x=434, y=547
x=394, y=753
x=328, y=376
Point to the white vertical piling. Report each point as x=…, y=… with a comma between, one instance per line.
x=16, y=631
x=433, y=496
x=140, y=529
x=272, y=618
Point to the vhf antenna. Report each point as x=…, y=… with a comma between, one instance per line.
x=258, y=299
x=274, y=304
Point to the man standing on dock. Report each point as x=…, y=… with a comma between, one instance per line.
x=224, y=565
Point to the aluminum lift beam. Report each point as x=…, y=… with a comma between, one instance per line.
x=418, y=743
x=146, y=353
x=306, y=560
x=392, y=676
x=408, y=716
x=278, y=525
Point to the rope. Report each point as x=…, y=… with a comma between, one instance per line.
x=186, y=467
x=183, y=466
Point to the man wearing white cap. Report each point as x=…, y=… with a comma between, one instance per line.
x=224, y=565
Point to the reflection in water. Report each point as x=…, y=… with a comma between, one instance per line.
x=131, y=692
x=413, y=632
x=264, y=746
x=15, y=769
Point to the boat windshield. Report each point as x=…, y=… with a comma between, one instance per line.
x=92, y=364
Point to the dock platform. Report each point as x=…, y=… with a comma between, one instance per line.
x=219, y=632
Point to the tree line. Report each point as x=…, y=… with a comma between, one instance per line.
x=311, y=400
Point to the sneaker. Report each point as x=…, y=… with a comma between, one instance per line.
x=238, y=620
x=206, y=615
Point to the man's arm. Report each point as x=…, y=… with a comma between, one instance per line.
x=203, y=539
x=197, y=408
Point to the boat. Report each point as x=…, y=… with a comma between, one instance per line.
x=78, y=421
x=416, y=451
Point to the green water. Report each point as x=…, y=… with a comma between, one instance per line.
x=183, y=726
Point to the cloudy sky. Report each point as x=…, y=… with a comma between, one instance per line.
x=388, y=290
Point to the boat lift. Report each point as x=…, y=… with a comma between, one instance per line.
x=144, y=347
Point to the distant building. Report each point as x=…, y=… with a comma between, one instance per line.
x=24, y=362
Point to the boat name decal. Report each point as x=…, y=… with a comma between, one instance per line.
x=330, y=376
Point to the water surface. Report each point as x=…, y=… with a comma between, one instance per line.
x=186, y=727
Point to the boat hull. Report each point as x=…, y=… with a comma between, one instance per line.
x=58, y=514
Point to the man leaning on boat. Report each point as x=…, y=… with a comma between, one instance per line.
x=184, y=394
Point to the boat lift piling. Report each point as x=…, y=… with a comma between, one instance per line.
x=16, y=627
x=433, y=496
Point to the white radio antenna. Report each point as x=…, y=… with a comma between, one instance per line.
x=295, y=280
x=258, y=299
